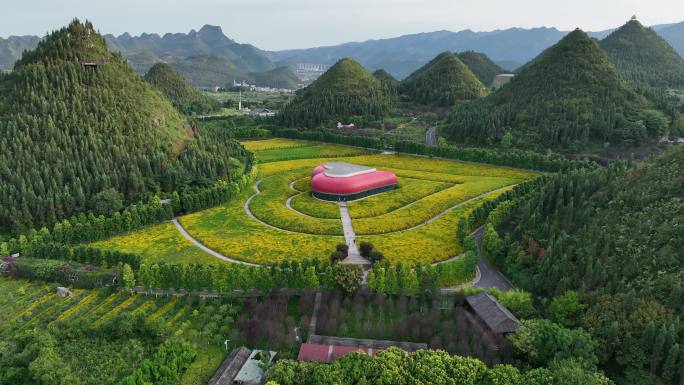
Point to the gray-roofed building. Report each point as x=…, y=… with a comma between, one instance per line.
x=495, y=315
x=252, y=372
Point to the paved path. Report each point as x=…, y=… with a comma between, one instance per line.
x=490, y=277
x=431, y=136
x=353, y=255
x=206, y=249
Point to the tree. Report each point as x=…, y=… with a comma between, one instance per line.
x=106, y=202
x=462, y=230
x=127, y=276
x=543, y=341
x=348, y=276
x=365, y=249
x=567, y=309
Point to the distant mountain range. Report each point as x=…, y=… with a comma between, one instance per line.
x=509, y=48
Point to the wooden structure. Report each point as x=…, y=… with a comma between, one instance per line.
x=495, y=315
x=230, y=367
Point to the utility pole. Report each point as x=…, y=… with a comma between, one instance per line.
x=240, y=100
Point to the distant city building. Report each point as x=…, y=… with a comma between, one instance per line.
x=311, y=67
x=262, y=112
x=342, y=126
x=500, y=80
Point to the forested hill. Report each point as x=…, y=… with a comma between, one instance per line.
x=568, y=97
x=386, y=77
x=643, y=57
x=345, y=92
x=81, y=131
x=444, y=81
x=482, y=66
x=616, y=237
x=184, y=97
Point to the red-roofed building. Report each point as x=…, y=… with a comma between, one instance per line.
x=341, y=351
x=340, y=181
x=315, y=353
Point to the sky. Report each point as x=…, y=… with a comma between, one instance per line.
x=285, y=24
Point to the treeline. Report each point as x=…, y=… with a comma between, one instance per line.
x=89, y=228
x=548, y=162
x=394, y=366
x=404, y=279
x=82, y=254
x=614, y=235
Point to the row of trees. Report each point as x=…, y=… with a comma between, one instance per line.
x=88, y=228
x=82, y=254
x=402, y=278
x=548, y=162
x=394, y=366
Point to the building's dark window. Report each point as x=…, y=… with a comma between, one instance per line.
x=354, y=196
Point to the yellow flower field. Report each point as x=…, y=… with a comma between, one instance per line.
x=229, y=230
x=311, y=229
x=158, y=243
x=275, y=143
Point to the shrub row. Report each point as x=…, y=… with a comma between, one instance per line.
x=81, y=254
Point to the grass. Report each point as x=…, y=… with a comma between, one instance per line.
x=158, y=243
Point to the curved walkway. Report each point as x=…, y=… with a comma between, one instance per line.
x=288, y=204
x=251, y=215
x=205, y=248
x=426, y=222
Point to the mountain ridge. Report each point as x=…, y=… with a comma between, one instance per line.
x=509, y=48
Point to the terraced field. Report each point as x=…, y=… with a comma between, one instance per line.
x=280, y=219
x=32, y=304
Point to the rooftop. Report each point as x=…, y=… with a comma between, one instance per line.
x=251, y=372
x=345, y=170
x=495, y=315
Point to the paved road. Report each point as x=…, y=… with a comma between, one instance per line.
x=490, y=277
x=206, y=249
x=431, y=136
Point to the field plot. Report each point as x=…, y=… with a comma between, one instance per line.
x=158, y=243
x=274, y=150
x=280, y=220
